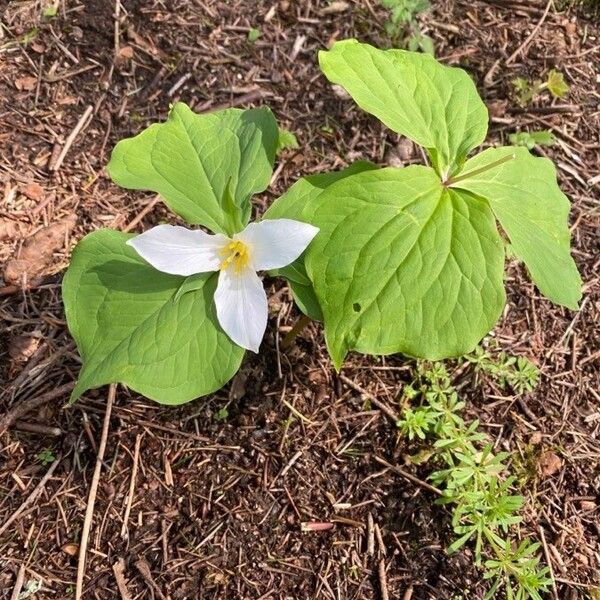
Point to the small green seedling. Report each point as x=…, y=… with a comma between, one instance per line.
x=530, y=139
x=46, y=457
x=50, y=11
x=516, y=373
x=475, y=482
x=222, y=415
x=287, y=141
x=527, y=91
x=253, y=35
x=402, y=26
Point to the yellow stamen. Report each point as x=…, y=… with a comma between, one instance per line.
x=236, y=254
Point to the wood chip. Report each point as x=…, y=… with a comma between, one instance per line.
x=336, y=7
x=549, y=463
x=9, y=229
x=34, y=191
x=26, y=83
x=22, y=347
x=70, y=549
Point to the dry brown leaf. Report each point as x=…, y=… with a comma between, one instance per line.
x=549, y=463
x=37, y=47
x=34, y=191
x=146, y=45
x=124, y=56
x=36, y=253
x=22, y=347
x=9, y=229
x=336, y=7
x=536, y=438
x=126, y=53
x=26, y=83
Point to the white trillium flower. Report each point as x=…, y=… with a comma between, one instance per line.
x=240, y=297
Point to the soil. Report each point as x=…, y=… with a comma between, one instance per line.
x=217, y=506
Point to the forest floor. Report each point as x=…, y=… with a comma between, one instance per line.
x=197, y=502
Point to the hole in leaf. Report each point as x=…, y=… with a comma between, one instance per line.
x=356, y=306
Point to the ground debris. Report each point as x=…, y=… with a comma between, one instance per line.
x=35, y=256
x=549, y=463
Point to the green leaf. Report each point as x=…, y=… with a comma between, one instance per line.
x=253, y=35
x=556, y=84
x=402, y=264
x=196, y=162
x=529, y=139
x=524, y=195
x=130, y=328
x=292, y=206
x=286, y=140
x=436, y=106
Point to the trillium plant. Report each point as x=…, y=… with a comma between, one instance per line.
x=392, y=260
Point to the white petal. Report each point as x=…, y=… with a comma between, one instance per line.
x=242, y=307
x=276, y=243
x=180, y=251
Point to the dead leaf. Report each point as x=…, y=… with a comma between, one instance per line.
x=237, y=389
x=71, y=549
x=125, y=55
x=9, y=229
x=36, y=253
x=339, y=6
x=146, y=45
x=549, y=463
x=126, y=52
x=67, y=100
x=37, y=47
x=23, y=347
x=536, y=438
x=34, y=191
x=26, y=83
x=406, y=149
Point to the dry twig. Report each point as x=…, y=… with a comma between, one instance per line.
x=89, y=512
x=36, y=492
x=31, y=404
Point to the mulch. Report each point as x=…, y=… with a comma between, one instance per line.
x=285, y=497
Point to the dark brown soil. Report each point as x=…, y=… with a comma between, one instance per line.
x=218, y=507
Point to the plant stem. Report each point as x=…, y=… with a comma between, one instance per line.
x=293, y=333
x=483, y=169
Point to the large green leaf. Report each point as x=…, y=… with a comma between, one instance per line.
x=524, y=195
x=132, y=326
x=292, y=205
x=436, y=106
x=402, y=264
x=206, y=167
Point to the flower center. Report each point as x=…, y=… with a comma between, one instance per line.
x=235, y=253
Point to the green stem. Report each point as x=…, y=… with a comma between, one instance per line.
x=483, y=169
